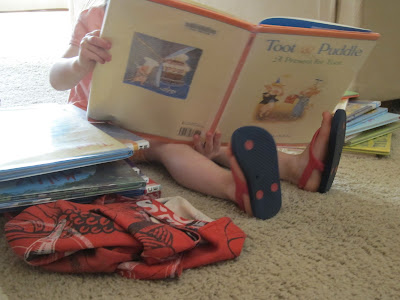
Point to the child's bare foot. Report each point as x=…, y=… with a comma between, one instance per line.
x=320, y=151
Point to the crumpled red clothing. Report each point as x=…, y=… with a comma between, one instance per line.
x=121, y=237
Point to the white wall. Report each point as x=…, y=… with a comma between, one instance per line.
x=18, y=5
x=256, y=10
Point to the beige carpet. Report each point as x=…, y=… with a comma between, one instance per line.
x=341, y=245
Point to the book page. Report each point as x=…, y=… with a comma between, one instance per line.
x=288, y=80
x=170, y=68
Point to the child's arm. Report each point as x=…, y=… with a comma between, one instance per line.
x=77, y=62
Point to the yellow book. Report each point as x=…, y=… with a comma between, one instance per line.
x=380, y=145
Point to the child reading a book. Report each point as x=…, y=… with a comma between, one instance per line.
x=255, y=165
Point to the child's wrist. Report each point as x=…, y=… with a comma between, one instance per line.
x=79, y=68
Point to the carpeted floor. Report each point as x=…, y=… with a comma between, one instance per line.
x=340, y=245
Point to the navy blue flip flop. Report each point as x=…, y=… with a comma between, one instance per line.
x=256, y=154
x=335, y=147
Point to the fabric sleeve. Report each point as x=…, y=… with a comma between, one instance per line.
x=88, y=21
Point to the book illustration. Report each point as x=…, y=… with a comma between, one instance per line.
x=126, y=137
x=356, y=108
x=51, y=137
x=161, y=66
x=229, y=65
x=276, y=105
x=380, y=145
x=71, y=184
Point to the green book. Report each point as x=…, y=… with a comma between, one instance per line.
x=373, y=133
x=380, y=146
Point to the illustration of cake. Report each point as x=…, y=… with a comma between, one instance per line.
x=174, y=69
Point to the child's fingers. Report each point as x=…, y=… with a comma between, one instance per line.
x=95, y=39
x=95, y=53
x=217, y=141
x=197, y=145
x=99, y=42
x=87, y=55
x=209, y=144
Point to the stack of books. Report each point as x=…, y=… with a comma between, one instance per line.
x=52, y=152
x=369, y=127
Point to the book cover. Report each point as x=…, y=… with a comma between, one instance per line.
x=153, y=188
x=373, y=133
x=79, y=183
x=130, y=139
x=380, y=145
x=345, y=100
x=46, y=138
x=196, y=70
x=367, y=116
x=373, y=123
x=356, y=108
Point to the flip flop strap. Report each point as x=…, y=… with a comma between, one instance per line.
x=313, y=163
x=241, y=188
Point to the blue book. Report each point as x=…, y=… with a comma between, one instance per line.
x=367, y=116
x=308, y=23
x=356, y=108
x=47, y=138
x=373, y=123
x=79, y=184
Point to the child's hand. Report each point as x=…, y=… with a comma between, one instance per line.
x=93, y=49
x=211, y=147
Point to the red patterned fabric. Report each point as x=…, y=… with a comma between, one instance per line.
x=122, y=236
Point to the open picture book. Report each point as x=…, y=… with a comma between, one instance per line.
x=178, y=69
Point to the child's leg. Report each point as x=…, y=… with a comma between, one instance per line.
x=291, y=166
x=193, y=170
x=197, y=172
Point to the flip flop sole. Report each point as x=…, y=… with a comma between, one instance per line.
x=335, y=146
x=255, y=151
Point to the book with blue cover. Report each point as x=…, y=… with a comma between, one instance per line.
x=45, y=138
x=79, y=184
x=309, y=23
x=357, y=108
x=367, y=116
x=373, y=123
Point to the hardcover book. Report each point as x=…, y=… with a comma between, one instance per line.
x=378, y=121
x=373, y=133
x=356, y=108
x=367, y=116
x=179, y=69
x=126, y=137
x=380, y=146
x=81, y=184
x=46, y=138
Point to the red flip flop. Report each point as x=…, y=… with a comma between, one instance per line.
x=335, y=146
x=254, y=165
